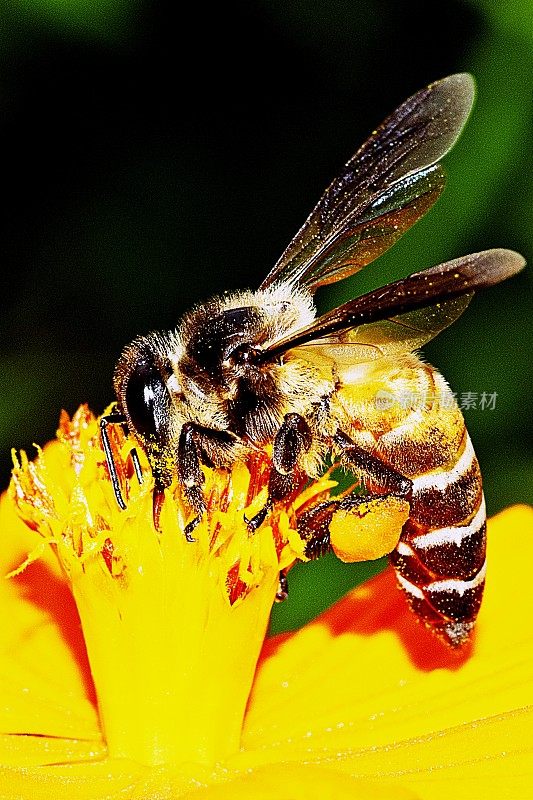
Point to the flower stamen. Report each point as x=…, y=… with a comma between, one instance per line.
x=173, y=629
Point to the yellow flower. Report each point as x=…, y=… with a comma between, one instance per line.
x=129, y=656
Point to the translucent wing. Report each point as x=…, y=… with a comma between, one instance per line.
x=398, y=303
x=390, y=182
x=360, y=240
x=387, y=338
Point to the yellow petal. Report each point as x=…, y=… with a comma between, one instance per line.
x=23, y=751
x=44, y=675
x=121, y=779
x=371, y=692
x=97, y=781
x=299, y=782
x=16, y=538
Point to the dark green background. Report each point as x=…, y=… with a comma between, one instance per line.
x=148, y=162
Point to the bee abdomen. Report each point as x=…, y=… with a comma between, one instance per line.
x=440, y=560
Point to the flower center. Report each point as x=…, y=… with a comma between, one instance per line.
x=173, y=628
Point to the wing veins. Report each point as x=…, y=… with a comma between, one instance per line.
x=411, y=140
x=420, y=290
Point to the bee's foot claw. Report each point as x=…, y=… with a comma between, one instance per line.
x=283, y=588
x=254, y=523
x=188, y=529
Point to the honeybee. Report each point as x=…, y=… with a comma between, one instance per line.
x=258, y=367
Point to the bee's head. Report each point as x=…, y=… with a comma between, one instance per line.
x=210, y=370
x=141, y=382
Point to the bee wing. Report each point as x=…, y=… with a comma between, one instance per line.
x=390, y=337
x=390, y=182
x=400, y=303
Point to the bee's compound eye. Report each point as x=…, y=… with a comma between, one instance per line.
x=147, y=401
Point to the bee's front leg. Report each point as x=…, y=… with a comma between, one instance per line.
x=198, y=445
x=190, y=474
x=117, y=419
x=293, y=439
x=112, y=419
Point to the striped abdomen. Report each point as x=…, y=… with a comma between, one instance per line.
x=440, y=560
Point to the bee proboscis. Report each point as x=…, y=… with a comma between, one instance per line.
x=259, y=368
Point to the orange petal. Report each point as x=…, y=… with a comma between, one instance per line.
x=367, y=689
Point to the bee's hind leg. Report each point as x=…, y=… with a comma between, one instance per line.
x=390, y=493
x=293, y=439
x=381, y=476
x=370, y=523
x=313, y=528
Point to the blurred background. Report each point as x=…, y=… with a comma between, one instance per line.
x=149, y=162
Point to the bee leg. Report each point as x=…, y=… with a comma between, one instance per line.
x=190, y=475
x=198, y=445
x=188, y=529
x=283, y=587
x=279, y=487
x=258, y=519
x=137, y=465
x=292, y=440
x=313, y=528
x=382, y=476
x=112, y=419
x=314, y=525
x=158, y=497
